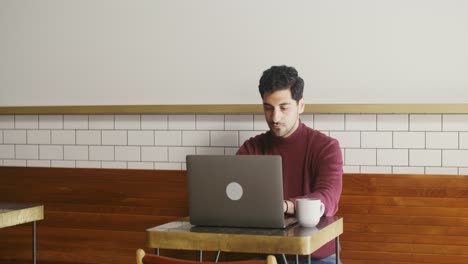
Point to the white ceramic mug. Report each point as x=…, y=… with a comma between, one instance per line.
x=309, y=211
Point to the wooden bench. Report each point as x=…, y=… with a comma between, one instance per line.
x=100, y=215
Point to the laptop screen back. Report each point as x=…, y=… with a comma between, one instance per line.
x=237, y=191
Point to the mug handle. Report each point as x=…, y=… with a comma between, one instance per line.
x=322, y=209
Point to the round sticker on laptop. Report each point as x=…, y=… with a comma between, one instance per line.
x=234, y=191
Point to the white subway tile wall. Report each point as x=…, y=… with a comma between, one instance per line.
x=104, y=153
x=62, y=137
x=75, y=122
x=27, y=152
x=210, y=122
x=88, y=164
x=377, y=169
x=455, y=122
x=127, y=122
x=141, y=165
x=14, y=136
x=463, y=137
x=50, y=122
x=260, y=124
x=230, y=151
x=395, y=122
x=26, y=121
x=51, y=152
x=182, y=122
x=371, y=143
x=127, y=153
x=376, y=139
x=38, y=137
x=154, y=154
x=455, y=158
x=238, y=122
x=407, y=170
x=177, y=154
x=75, y=153
x=113, y=165
x=306, y=119
x=392, y=157
x=7, y=152
x=7, y=121
x=141, y=138
x=101, y=122
x=63, y=163
x=362, y=157
x=167, y=138
x=38, y=163
x=409, y=140
x=153, y=122
x=195, y=138
x=347, y=139
x=329, y=122
x=224, y=138
x=442, y=140
x=444, y=171
x=88, y=137
x=14, y=163
x=361, y=122
x=114, y=137
x=422, y=157
x=425, y=122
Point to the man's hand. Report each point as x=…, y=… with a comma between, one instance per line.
x=288, y=207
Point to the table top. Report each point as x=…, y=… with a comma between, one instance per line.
x=180, y=234
x=19, y=213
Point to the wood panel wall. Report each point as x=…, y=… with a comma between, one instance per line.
x=404, y=219
x=90, y=215
x=100, y=215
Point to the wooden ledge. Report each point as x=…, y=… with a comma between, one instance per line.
x=239, y=109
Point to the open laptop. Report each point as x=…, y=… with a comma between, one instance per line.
x=236, y=191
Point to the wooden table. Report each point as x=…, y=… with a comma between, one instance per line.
x=12, y=214
x=295, y=240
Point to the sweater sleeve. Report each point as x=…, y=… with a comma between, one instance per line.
x=326, y=179
x=248, y=148
x=243, y=150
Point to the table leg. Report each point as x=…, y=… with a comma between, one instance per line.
x=337, y=249
x=284, y=258
x=34, y=241
x=217, y=256
x=156, y=251
x=200, y=256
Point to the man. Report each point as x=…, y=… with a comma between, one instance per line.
x=312, y=161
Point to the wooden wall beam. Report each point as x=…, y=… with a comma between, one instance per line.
x=238, y=109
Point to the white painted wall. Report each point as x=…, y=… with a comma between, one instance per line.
x=107, y=52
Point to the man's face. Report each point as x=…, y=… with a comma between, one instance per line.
x=282, y=112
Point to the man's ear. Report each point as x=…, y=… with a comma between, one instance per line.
x=300, y=105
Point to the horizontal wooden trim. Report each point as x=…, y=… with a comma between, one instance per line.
x=236, y=109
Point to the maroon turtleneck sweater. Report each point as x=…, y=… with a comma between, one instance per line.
x=312, y=167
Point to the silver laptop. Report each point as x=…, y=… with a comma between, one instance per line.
x=236, y=191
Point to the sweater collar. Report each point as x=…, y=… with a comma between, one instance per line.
x=298, y=133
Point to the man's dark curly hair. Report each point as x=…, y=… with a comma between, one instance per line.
x=280, y=78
